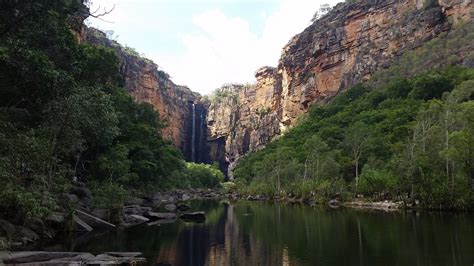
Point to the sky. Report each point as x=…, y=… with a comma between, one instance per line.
x=204, y=44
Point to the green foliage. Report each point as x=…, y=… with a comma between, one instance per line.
x=63, y=113
x=448, y=49
x=27, y=203
x=109, y=195
x=411, y=138
x=229, y=186
x=373, y=180
x=194, y=175
x=226, y=92
x=203, y=175
x=263, y=110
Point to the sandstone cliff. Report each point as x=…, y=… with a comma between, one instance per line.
x=146, y=83
x=344, y=47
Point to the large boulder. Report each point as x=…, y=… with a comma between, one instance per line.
x=7, y=229
x=67, y=199
x=160, y=215
x=36, y=257
x=37, y=225
x=92, y=220
x=72, y=258
x=101, y=213
x=136, y=209
x=83, y=193
x=28, y=235
x=134, y=219
x=80, y=225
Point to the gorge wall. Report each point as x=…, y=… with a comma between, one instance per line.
x=146, y=83
x=344, y=47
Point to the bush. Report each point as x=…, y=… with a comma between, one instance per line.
x=26, y=203
x=376, y=180
x=229, y=186
x=203, y=175
x=109, y=195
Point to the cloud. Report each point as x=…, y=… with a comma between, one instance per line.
x=226, y=50
x=222, y=49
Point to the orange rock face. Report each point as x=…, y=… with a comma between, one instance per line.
x=146, y=83
x=344, y=47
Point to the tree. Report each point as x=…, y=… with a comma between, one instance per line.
x=356, y=138
x=316, y=148
x=323, y=10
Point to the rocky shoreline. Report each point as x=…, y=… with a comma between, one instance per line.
x=71, y=258
x=152, y=210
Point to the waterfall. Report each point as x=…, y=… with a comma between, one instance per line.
x=201, y=136
x=193, y=132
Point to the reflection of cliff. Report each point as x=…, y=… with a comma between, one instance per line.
x=222, y=243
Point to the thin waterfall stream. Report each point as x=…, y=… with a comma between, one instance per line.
x=193, y=133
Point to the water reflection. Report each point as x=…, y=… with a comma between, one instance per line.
x=269, y=234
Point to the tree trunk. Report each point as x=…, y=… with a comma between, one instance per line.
x=447, y=142
x=357, y=174
x=305, y=169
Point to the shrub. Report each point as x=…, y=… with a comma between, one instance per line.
x=203, y=175
x=109, y=195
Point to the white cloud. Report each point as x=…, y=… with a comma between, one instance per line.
x=226, y=50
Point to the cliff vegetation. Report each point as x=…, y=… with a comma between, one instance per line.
x=65, y=116
x=406, y=134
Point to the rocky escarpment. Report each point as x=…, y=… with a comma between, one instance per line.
x=344, y=47
x=146, y=83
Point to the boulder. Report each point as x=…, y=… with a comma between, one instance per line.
x=7, y=229
x=55, y=218
x=101, y=213
x=170, y=207
x=79, y=259
x=125, y=254
x=73, y=258
x=92, y=220
x=104, y=259
x=134, y=201
x=80, y=225
x=193, y=216
x=334, y=203
x=37, y=225
x=135, y=219
x=35, y=257
x=171, y=199
x=186, y=197
x=28, y=234
x=160, y=215
x=211, y=195
x=79, y=184
x=82, y=192
x=135, y=209
x=68, y=199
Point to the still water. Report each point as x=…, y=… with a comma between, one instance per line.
x=251, y=233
